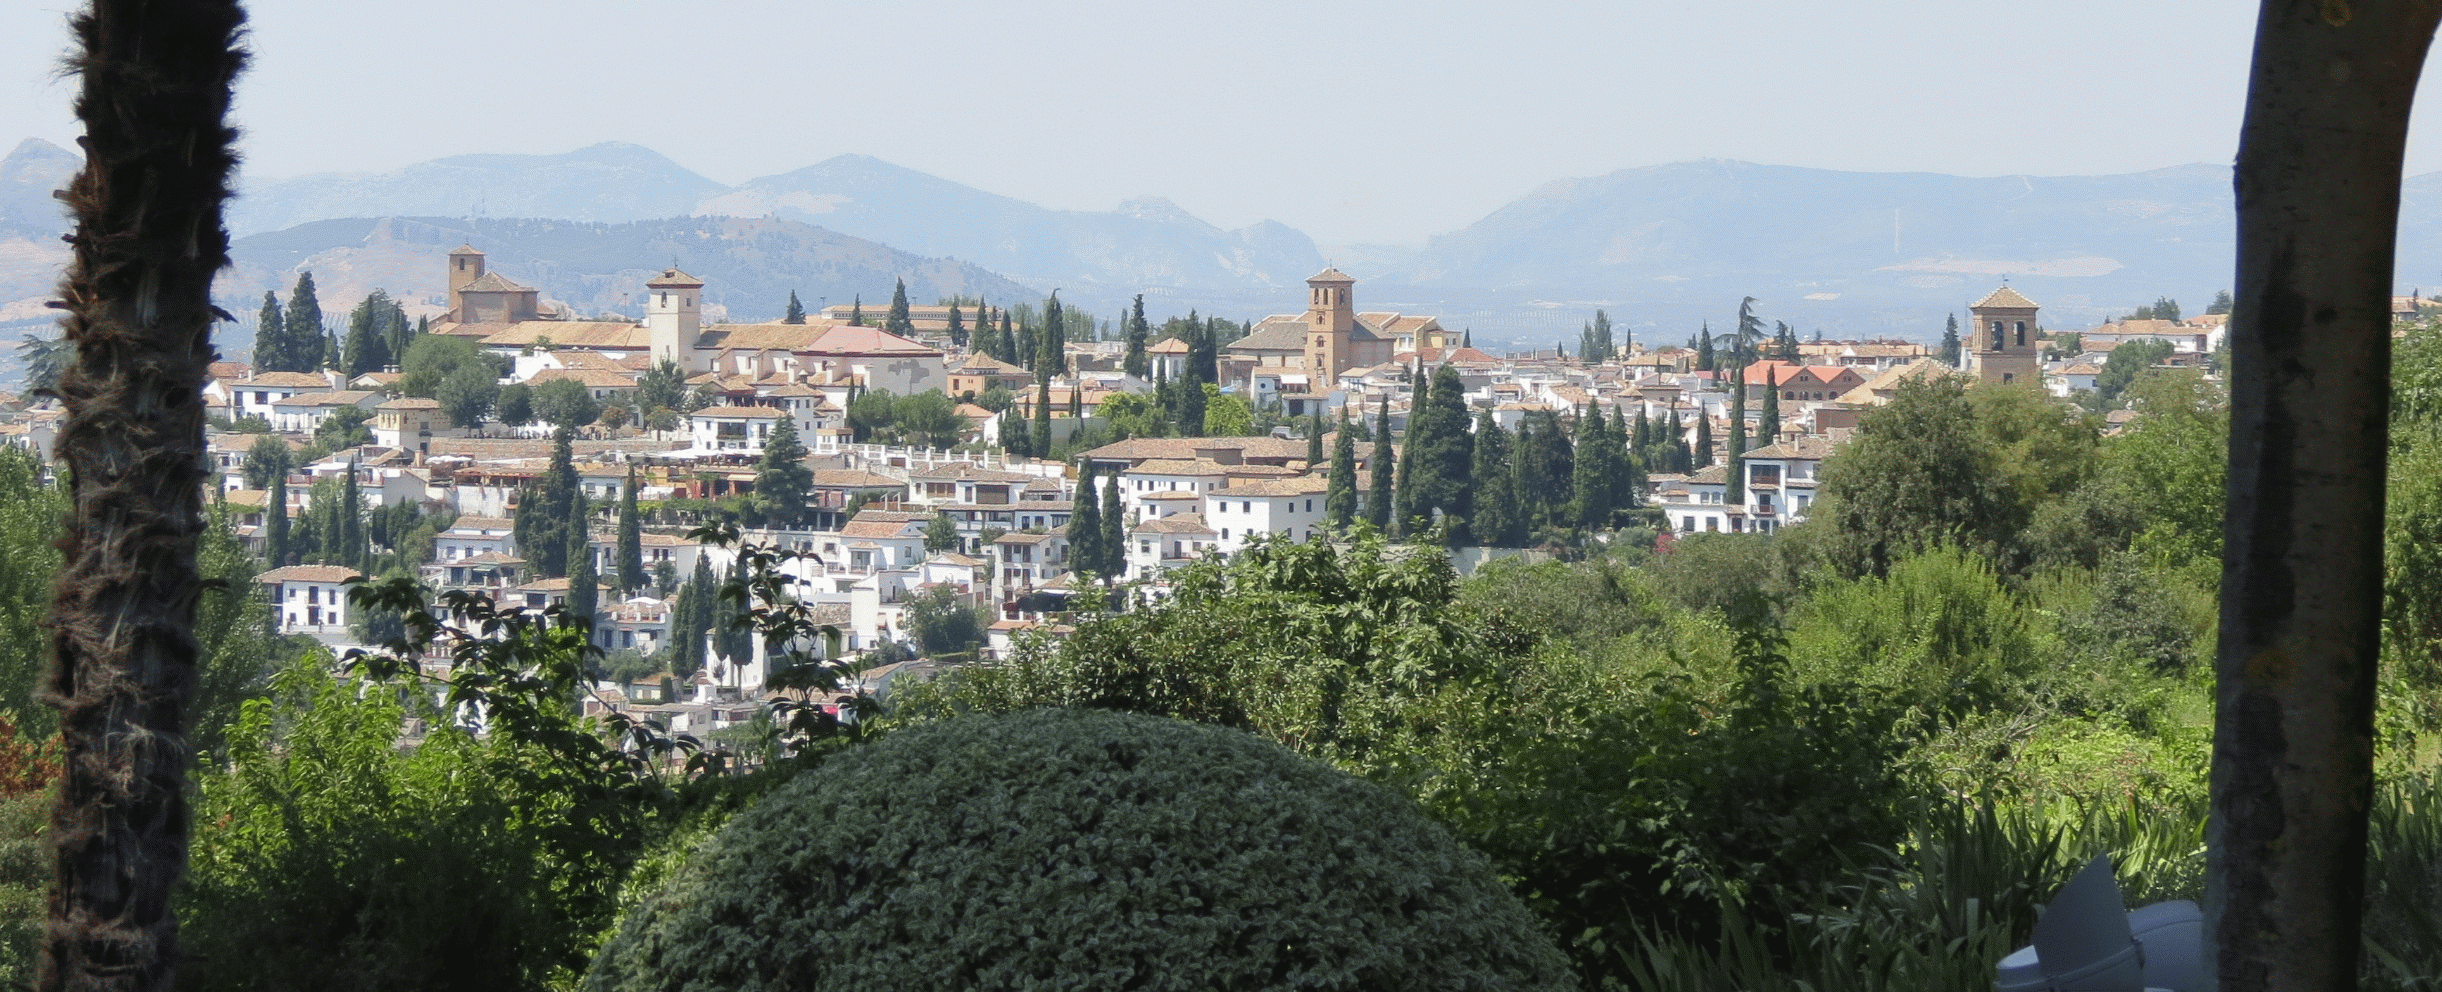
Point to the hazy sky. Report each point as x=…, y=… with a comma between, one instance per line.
x=1354, y=120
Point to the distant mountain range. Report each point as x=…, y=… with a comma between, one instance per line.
x=1661, y=248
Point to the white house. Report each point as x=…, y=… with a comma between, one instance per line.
x=1291, y=508
x=311, y=599
x=733, y=428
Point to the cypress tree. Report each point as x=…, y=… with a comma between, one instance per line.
x=1768, y=414
x=1114, y=529
x=1597, y=470
x=631, y=537
x=897, y=321
x=958, y=326
x=1378, y=501
x=696, y=601
x=275, y=523
x=1314, y=439
x=856, y=311
x=1015, y=433
x=797, y=311
x=1135, y=362
x=544, y=512
x=349, y=535
x=1734, y=489
x=1029, y=350
x=1950, y=340
x=584, y=592
x=1040, y=445
x=271, y=336
x=302, y=327
x=1439, y=452
x=736, y=638
x=1340, y=500
x=1526, y=473
x=1704, y=349
x=1496, y=522
x=370, y=327
x=1054, y=338
x=1085, y=525
x=1008, y=341
x=1704, y=440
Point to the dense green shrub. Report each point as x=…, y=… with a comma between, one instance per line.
x=1077, y=849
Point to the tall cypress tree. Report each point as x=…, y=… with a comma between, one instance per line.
x=1041, y=442
x=1314, y=439
x=897, y=321
x=697, y=602
x=544, y=511
x=1085, y=524
x=275, y=523
x=1135, y=362
x=631, y=537
x=1496, y=521
x=737, y=640
x=1704, y=441
x=584, y=585
x=797, y=311
x=271, y=336
x=958, y=326
x=1768, y=414
x=1054, y=338
x=1007, y=340
x=1439, y=453
x=1114, y=529
x=1734, y=489
x=1378, y=502
x=1597, y=470
x=856, y=311
x=302, y=327
x=1950, y=340
x=1340, y=498
x=349, y=535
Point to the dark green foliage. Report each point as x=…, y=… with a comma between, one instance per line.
x=372, y=327
x=1915, y=475
x=796, y=312
x=896, y=322
x=271, y=337
x=565, y=403
x=1439, y=451
x=1734, y=490
x=1595, y=344
x=1085, y=524
x=942, y=623
x=584, y=582
x=693, y=618
x=941, y=534
x=515, y=406
x=1114, y=528
x=302, y=335
x=1340, y=499
x=345, y=428
x=1379, y=500
x=546, y=511
x=1497, y=521
x=979, y=822
x=663, y=387
x=1949, y=353
x=267, y=461
x=454, y=371
x=2222, y=303
x=783, y=480
x=1135, y=362
x=2163, y=308
x=631, y=575
x=1547, y=470
x=2127, y=361
x=957, y=326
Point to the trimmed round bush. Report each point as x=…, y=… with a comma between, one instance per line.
x=1074, y=850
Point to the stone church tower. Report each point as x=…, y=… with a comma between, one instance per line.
x=1331, y=320
x=2005, y=347
x=673, y=318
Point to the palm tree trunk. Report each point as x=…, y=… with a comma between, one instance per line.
x=156, y=78
x=2318, y=185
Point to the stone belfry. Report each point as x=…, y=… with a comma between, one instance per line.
x=1331, y=317
x=2005, y=348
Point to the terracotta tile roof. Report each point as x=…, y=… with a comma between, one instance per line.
x=285, y=380
x=494, y=282
x=570, y=334
x=309, y=573
x=1177, y=523
x=591, y=378
x=2005, y=298
x=1330, y=274
x=671, y=278
x=1300, y=486
x=1169, y=346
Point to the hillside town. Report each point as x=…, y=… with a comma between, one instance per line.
x=957, y=512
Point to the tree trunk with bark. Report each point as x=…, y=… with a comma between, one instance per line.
x=2318, y=183
x=155, y=91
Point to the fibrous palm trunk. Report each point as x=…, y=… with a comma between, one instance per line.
x=2301, y=602
x=156, y=78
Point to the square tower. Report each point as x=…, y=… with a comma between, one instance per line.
x=1331, y=317
x=2005, y=347
x=673, y=317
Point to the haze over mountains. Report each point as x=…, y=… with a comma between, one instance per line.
x=1661, y=248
